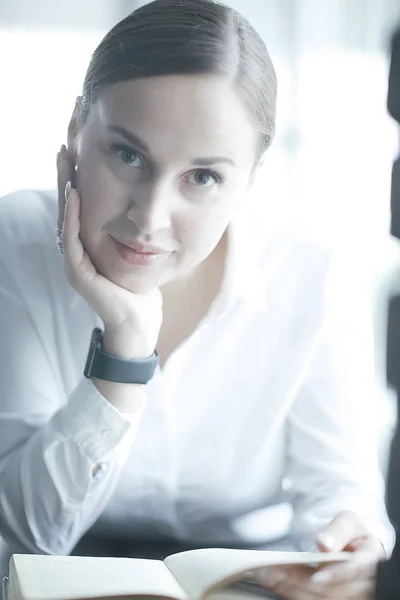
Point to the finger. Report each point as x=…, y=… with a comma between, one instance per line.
x=355, y=590
x=271, y=577
x=291, y=582
x=62, y=178
x=344, y=528
x=73, y=249
x=359, y=588
x=296, y=583
x=346, y=572
x=65, y=172
x=367, y=544
x=294, y=589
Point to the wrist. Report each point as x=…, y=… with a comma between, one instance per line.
x=126, y=344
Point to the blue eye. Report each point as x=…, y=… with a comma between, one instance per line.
x=128, y=155
x=204, y=178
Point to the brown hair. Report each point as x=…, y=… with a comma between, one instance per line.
x=171, y=37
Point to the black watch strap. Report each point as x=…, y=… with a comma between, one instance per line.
x=103, y=366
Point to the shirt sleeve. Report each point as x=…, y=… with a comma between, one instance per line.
x=333, y=425
x=60, y=458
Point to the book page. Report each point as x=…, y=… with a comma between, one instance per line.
x=199, y=571
x=73, y=577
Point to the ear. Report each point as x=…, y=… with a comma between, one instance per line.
x=74, y=127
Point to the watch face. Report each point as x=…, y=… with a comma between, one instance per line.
x=95, y=346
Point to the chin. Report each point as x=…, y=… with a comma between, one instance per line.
x=135, y=282
x=135, y=279
x=139, y=286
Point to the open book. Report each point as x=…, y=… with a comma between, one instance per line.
x=194, y=575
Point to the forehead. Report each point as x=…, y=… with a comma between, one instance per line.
x=196, y=113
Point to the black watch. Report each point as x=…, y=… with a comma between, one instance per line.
x=109, y=368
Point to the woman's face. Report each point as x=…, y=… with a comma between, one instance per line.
x=163, y=164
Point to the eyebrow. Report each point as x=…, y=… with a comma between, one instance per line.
x=141, y=144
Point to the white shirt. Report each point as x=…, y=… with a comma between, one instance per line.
x=276, y=384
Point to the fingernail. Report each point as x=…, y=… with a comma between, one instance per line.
x=327, y=541
x=321, y=578
x=67, y=190
x=61, y=155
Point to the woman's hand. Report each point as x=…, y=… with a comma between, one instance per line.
x=132, y=321
x=350, y=580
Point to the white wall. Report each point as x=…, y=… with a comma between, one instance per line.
x=73, y=14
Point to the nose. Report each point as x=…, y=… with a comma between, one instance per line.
x=150, y=207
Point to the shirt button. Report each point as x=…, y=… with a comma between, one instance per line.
x=107, y=435
x=100, y=472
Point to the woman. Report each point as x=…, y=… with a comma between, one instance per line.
x=263, y=373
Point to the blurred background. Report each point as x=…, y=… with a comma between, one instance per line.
x=335, y=142
x=332, y=157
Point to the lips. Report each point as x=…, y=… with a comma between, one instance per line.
x=142, y=248
x=138, y=254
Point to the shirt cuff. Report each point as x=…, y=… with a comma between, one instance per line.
x=92, y=422
x=384, y=532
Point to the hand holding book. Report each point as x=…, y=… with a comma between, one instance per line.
x=353, y=579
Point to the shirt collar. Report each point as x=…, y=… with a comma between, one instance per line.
x=243, y=279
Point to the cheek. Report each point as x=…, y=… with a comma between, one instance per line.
x=199, y=234
x=99, y=195
x=93, y=179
